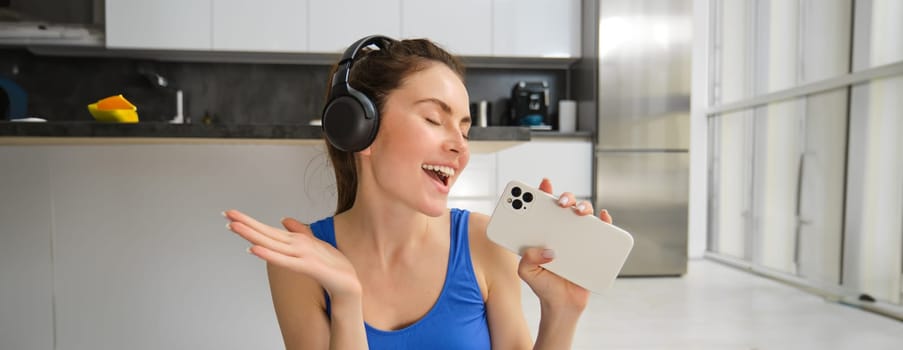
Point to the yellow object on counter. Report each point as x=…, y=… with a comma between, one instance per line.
x=114, y=109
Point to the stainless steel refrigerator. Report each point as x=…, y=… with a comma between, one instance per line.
x=636, y=68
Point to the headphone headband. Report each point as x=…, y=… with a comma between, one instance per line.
x=343, y=73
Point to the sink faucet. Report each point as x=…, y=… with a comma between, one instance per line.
x=178, y=119
x=158, y=81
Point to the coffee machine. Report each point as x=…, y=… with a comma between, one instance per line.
x=530, y=105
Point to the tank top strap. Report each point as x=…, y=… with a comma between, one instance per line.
x=462, y=286
x=459, y=247
x=324, y=230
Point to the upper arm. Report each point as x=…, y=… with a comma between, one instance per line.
x=498, y=268
x=300, y=309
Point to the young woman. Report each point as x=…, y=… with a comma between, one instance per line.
x=395, y=268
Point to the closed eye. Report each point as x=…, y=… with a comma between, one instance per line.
x=432, y=121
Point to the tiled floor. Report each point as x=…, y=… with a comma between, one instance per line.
x=719, y=307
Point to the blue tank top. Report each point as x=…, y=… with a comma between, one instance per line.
x=458, y=318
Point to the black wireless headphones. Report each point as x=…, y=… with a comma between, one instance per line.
x=350, y=119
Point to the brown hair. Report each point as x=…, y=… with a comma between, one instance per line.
x=376, y=73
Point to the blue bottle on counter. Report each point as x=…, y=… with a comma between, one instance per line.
x=18, y=99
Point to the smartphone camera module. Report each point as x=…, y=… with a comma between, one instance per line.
x=517, y=204
x=515, y=191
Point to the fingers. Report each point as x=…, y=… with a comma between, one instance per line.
x=545, y=185
x=295, y=226
x=258, y=238
x=530, y=260
x=584, y=208
x=237, y=216
x=605, y=216
x=567, y=199
x=272, y=256
x=537, y=255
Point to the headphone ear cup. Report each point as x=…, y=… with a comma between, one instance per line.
x=350, y=124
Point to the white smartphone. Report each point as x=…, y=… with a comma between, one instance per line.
x=588, y=251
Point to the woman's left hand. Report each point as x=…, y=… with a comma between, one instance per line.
x=554, y=291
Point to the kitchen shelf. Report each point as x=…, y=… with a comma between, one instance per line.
x=561, y=135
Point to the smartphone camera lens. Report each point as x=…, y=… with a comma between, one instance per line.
x=517, y=204
x=528, y=197
x=515, y=191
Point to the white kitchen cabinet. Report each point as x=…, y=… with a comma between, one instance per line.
x=334, y=25
x=503, y=28
x=536, y=28
x=26, y=273
x=566, y=162
x=159, y=24
x=461, y=27
x=262, y=25
x=474, y=189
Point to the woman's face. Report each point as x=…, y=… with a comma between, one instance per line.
x=421, y=146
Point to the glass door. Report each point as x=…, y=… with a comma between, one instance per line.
x=799, y=174
x=820, y=206
x=730, y=185
x=776, y=170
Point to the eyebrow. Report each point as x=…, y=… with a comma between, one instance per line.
x=445, y=108
x=438, y=102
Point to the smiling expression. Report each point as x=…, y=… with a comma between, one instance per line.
x=421, y=146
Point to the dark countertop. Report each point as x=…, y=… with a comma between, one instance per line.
x=164, y=130
x=487, y=139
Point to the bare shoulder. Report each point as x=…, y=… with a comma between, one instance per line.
x=300, y=309
x=491, y=261
x=496, y=270
x=479, y=238
x=478, y=223
x=479, y=241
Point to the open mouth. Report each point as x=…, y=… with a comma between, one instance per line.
x=438, y=172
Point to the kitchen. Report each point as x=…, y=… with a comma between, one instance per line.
x=100, y=196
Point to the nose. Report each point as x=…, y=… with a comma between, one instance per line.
x=455, y=142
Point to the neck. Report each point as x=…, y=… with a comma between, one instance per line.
x=381, y=223
x=388, y=228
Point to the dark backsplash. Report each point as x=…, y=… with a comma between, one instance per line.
x=60, y=88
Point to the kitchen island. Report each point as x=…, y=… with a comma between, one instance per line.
x=111, y=234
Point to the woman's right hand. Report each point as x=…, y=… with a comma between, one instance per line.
x=298, y=250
